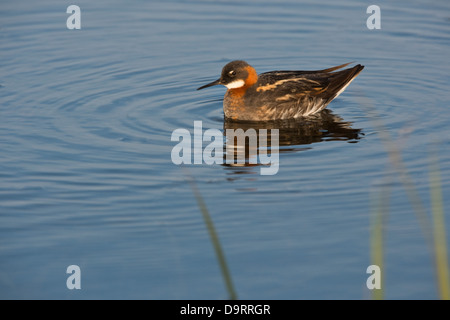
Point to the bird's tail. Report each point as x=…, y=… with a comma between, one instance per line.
x=341, y=79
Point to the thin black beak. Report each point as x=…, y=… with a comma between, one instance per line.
x=214, y=83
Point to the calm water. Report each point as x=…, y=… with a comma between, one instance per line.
x=85, y=149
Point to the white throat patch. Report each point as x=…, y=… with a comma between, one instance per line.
x=235, y=84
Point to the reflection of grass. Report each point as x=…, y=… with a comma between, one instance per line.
x=215, y=240
x=434, y=232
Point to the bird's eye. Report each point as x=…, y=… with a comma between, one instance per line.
x=232, y=73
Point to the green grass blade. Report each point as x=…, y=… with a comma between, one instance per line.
x=379, y=210
x=398, y=164
x=440, y=244
x=215, y=240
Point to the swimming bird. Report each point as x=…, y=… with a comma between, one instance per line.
x=279, y=95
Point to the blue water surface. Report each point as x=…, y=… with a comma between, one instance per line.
x=87, y=179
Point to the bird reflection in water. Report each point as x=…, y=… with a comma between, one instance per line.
x=293, y=135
